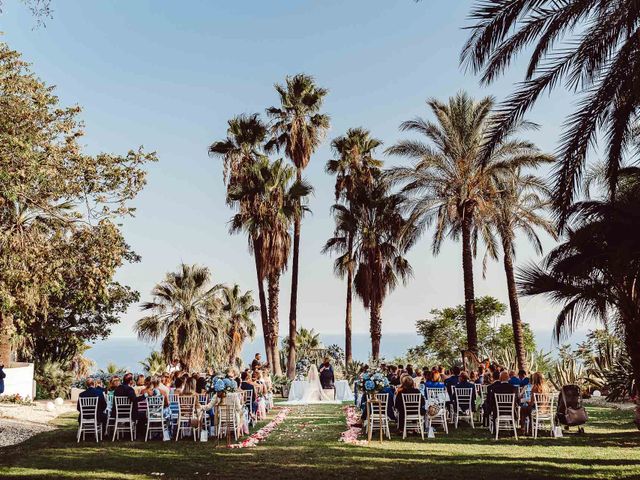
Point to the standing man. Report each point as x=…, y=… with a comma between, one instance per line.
x=257, y=361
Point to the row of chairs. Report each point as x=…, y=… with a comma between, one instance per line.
x=182, y=420
x=505, y=416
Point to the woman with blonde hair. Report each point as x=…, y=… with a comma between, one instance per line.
x=538, y=385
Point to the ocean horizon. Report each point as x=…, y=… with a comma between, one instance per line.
x=128, y=352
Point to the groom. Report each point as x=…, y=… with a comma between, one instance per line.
x=327, y=378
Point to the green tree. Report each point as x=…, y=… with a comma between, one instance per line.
x=353, y=167
x=444, y=334
x=297, y=128
x=451, y=185
x=238, y=308
x=522, y=200
x=240, y=151
x=378, y=250
x=51, y=191
x=591, y=46
x=155, y=363
x=270, y=200
x=185, y=316
x=594, y=273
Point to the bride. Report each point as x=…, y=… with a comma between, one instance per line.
x=315, y=392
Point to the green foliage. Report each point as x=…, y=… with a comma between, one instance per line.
x=16, y=399
x=352, y=371
x=155, y=363
x=567, y=370
x=53, y=380
x=444, y=334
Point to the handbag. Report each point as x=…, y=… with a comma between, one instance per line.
x=166, y=436
x=576, y=416
x=203, y=435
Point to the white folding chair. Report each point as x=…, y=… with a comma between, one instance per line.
x=110, y=412
x=227, y=418
x=437, y=398
x=505, y=418
x=413, y=419
x=378, y=414
x=186, y=412
x=203, y=400
x=123, y=420
x=543, y=412
x=89, y=418
x=155, y=416
x=246, y=397
x=174, y=408
x=464, y=410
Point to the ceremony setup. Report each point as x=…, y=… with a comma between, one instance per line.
x=320, y=240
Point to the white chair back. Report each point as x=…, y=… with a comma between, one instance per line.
x=155, y=408
x=123, y=406
x=88, y=407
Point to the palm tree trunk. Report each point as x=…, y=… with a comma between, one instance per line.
x=6, y=329
x=293, y=306
x=264, y=316
x=274, y=323
x=469, y=294
x=348, y=356
x=632, y=343
x=376, y=330
x=514, y=307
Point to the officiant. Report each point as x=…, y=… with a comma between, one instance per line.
x=327, y=379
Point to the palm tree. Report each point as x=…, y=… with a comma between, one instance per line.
x=595, y=272
x=521, y=202
x=297, y=127
x=353, y=167
x=155, y=363
x=238, y=308
x=271, y=201
x=242, y=149
x=378, y=250
x=452, y=185
x=592, y=46
x=184, y=313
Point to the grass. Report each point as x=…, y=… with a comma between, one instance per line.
x=306, y=446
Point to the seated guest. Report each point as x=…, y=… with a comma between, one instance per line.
x=233, y=375
x=165, y=384
x=363, y=369
x=178, y=385
x=472, y=376
x=90, y=392
x=435, y=381
x=126, y=390
x=465, y=383
x=502, y=386
x=451, y=382
x=486, y=406
x=513, y=379
x=406, y=386
x=401, y=371
x=480, y=375
x=257, y=361
x=391, y=372
x=114, y=383
x=522, y=376
x=538, y=385
x=201, y=384
x=100, y=386
x=247, y=384
x=410, y=371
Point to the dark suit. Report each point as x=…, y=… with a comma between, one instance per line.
x=327, y=379
x=473, y=394
x=102, y=403
x=2, y=377
x=499, y=387
x=129, y=392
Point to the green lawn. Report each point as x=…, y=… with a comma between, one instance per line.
x=306, y=446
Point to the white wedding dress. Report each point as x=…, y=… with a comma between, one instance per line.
x=314, y=392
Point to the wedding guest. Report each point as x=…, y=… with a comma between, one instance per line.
x=463, y=382
x=178, y=386
x=248, y=385
x=266, y=379
x=91, y=392
x=513, y=379
x=126, y=390
x=522, y=376
x=407, y=386
x=114, y=383
x=409, y=371
x=165, y=384
x=538, y=385
x=401, y=371
x=502, y=386
x=480, y=375
x=201, y=384
x=2, y=377
x=435, y=380
x=174, y=366
x=256, y=361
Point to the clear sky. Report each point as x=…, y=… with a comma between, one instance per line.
x=168, y=75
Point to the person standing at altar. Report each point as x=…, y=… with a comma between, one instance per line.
x=327, y=378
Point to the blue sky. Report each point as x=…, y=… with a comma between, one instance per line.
x=168, y=75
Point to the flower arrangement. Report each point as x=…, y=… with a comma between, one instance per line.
x=372, y=383
x=222, y=386
x=16, y=399
x=263, y=433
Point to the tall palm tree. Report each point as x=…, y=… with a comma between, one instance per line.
x=591, y=46
x=155, y=363
x=184, y=313
x=378, y=250
x=242, y=149
x=354, y=166
x=272, y=201
x=297, y=127
x=595, y=272
x=238, y=308
x=522, y=200
x=450, y=183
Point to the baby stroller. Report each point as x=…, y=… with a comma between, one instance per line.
x=570, y=412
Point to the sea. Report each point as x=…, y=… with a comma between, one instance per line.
x=128, y=352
